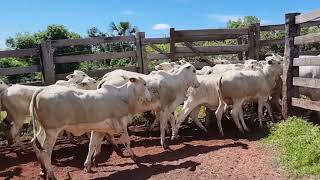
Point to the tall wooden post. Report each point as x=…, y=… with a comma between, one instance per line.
x=257, y=40
x=289, y=71
x=251, y=39
x=172, y=45
x=240, y=54
x=139, y=53
x=145, y=60
x=47, y=63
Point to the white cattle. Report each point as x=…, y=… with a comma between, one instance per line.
x=105, y=110
x=76, y=77
x=236, y=87
x=15, y=100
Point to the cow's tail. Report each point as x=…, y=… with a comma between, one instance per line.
x=219, y=89
x=34, y=117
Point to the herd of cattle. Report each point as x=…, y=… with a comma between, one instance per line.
x=80, y=105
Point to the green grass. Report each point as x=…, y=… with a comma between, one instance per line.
x=299, y=144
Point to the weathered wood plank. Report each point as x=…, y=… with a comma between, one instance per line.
x=93, y=57
x=310, y=23
x=207, y=32
x=251, y=41
x=218, y=37
x=145, y=59
x=240, y=54
x=139, y=59
x=272, y=42
x=306, y=82
x=91, y=41
x=314, y=53
x=257, y=40
x=306, y=104
x=289, y=71
x=157, y=40
x=20, y=70
x=214, y=49
x=99, y=72
x=189, y=45
x=272, y=27
x=307, y=61
x=314, y=15
x=172, y=44
x=47, y=62
x=20, y=53
x=308, y=38
x=154, y=56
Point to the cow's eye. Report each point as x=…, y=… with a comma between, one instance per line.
x=145, y=84
x=194, y=71
x=83, y=75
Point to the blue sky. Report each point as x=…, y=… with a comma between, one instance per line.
x=153, y=17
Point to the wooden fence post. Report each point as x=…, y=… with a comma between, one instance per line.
x=257, y=40
x=240, y=54
x=251, y=39
x=172, y=44
x=47, y=63
x=139, y=53
x=144, y=57
x=289, y=71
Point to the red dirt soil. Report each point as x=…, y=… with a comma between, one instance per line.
x=195, y=156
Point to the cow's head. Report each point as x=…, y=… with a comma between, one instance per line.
x=3, y=85
x=140, y=89
x=189, y=75
x=77, y=76
x=165, y=66
x=88, y=83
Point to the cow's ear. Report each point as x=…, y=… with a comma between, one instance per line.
x=270, y=62
x=133, y=79
x=188, y=67
x=83, y=84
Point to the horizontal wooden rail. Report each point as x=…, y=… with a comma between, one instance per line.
x=214, y=49
x=208, y=32
x=314, y=15
x=154, y=56
x=307, y=61
x=314, y=53
x=308, y=38
x=33, y=83
x=91, y=41
x=306, y=104
x=99, y=72
x=20, y=70
x=280, y=27
x=93, y=57
x=272, y=42
x=20, y=53
x=206, y=38
x=306, y=82
x=157, y=40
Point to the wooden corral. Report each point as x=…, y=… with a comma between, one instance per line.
x=291, y=79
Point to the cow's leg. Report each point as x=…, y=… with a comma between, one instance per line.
x=260, y=111
x=45, y=152
x=186, y=110
x=15, y=131
x=95, y=138
x=235, y=114
x=219, y=112
x=269, y=109
x=154, y=124
x=125, y=140
x=163, y=124
x=242, y=120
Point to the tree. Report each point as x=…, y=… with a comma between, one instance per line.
x=242, y=23
x=124, y=28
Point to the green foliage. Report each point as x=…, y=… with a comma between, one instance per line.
x=242, y=23
x=299, y=144
x=124, y=28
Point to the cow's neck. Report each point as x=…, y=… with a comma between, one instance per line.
x=271, y=77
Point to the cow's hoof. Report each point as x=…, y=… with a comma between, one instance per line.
x=87, y=168
x=134, y=158
x=165, y=147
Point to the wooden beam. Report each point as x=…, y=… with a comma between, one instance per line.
x=157, y=40
x=219, y=37
x=139, y=59
x=214, y=49
x=272, y=27
x=251, y=41
x=47, y=62
x=93, y=57
x=144, y=56
x=257, y=40
x=240, y=54
x=20, y=53
x=307, y=61
x=172, y=44
x=314, y=15
x=306, y=104
x=289, y=71
x=208, y=32
x=92, y=41
x=308, y=38
x=155, y=56
x=272, y=42
x=306, y=82
x=20, y=70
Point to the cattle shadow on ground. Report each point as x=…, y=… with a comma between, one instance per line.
x=145, y=172
x=185, y=152
x=16, y=172
x=14, y=156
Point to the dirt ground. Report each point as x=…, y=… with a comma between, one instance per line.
x=195, y=155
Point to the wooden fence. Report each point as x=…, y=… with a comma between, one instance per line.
x=291, y=79
x=181, y=43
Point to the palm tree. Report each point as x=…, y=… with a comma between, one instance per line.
x=124, y=28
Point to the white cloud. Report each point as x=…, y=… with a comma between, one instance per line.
x=128, y=12
x=224, y=17
x=160, y=26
